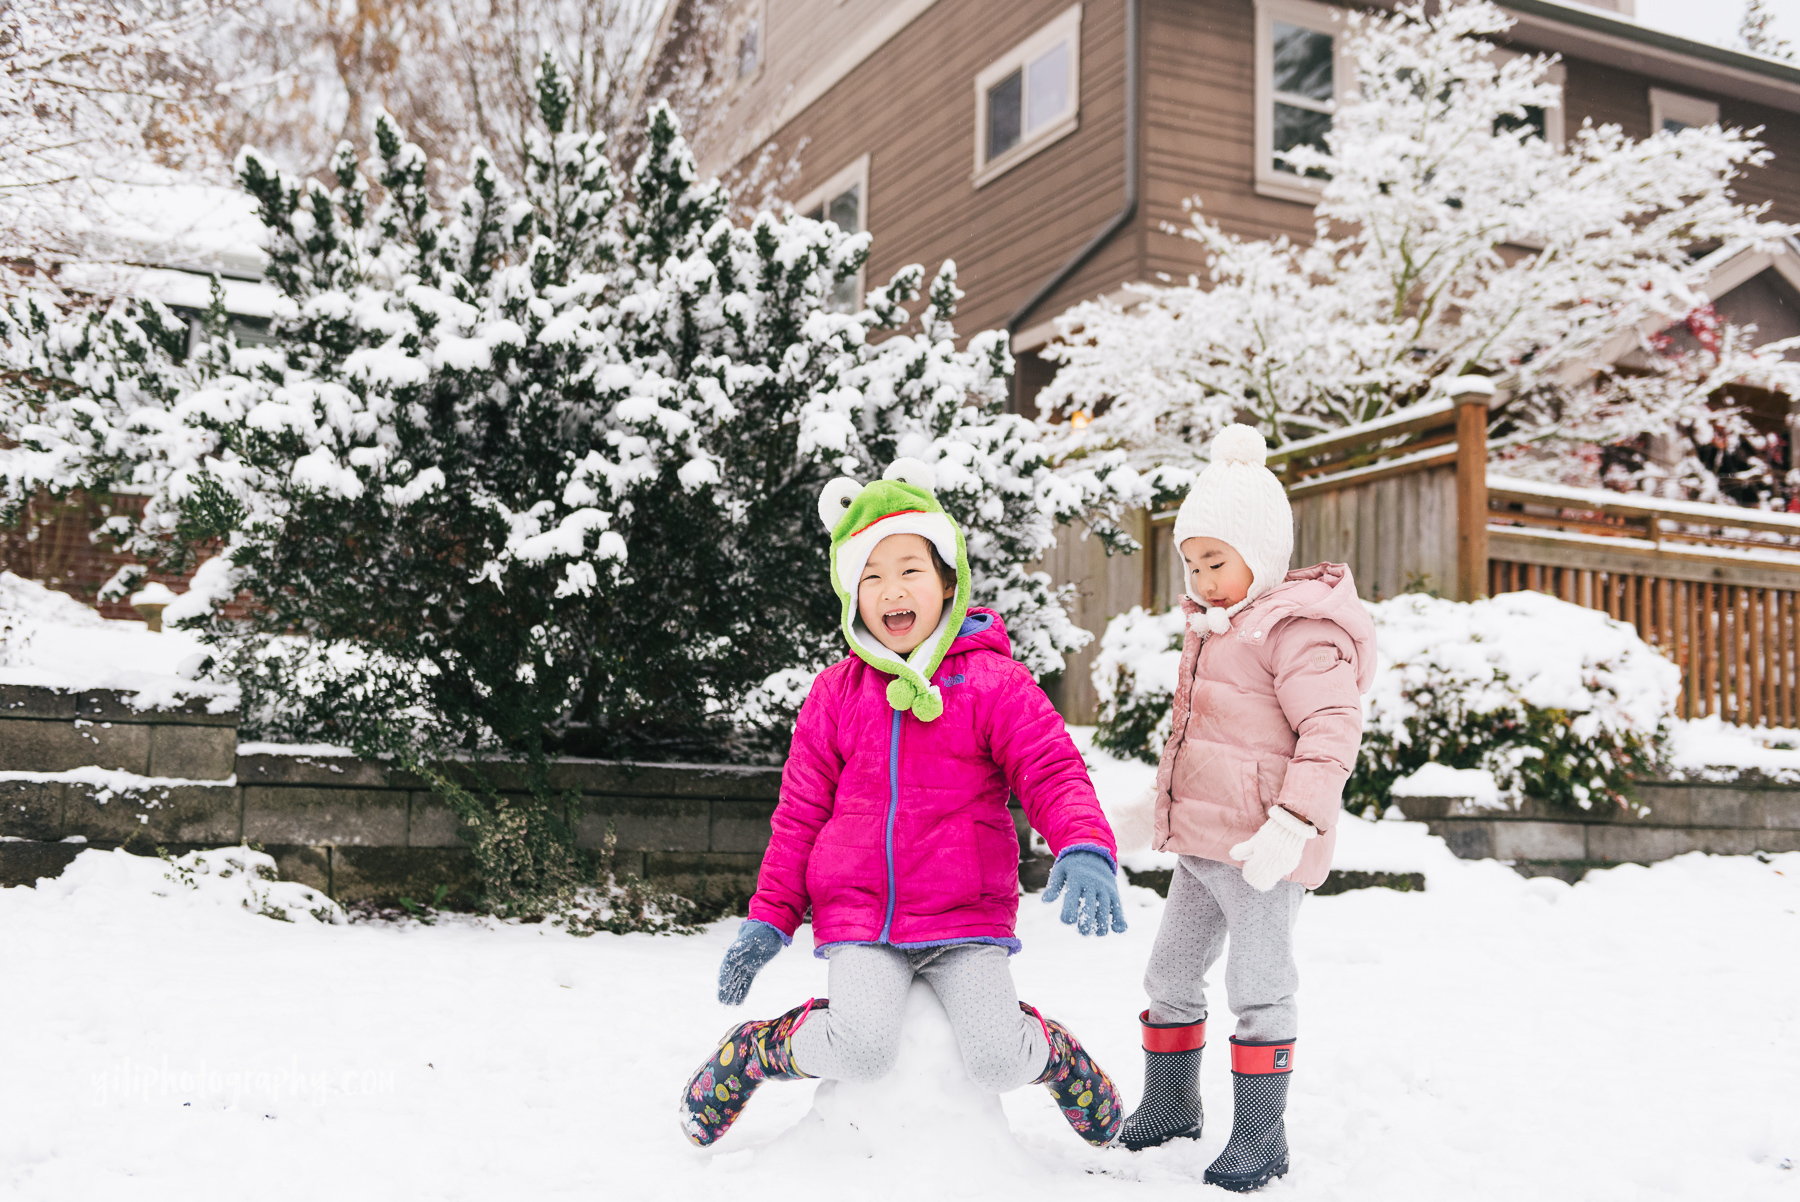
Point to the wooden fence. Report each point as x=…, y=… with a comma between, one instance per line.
x=1409, y=504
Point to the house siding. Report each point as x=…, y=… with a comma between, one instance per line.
x=911, y=107
x=1611, y=96
x=1199, y=132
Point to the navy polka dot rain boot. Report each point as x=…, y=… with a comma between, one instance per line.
x=1257, y=1152
x=748, y=1055
x=1170, y=1108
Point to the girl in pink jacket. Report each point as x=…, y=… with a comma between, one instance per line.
x=1267, y=724
x=893, y=830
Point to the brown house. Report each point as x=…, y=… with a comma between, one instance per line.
x=1045, y=145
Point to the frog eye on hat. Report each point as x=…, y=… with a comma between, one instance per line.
x=835, y=500
x=915, y=472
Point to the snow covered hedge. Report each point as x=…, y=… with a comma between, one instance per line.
x=1134, y=675
x=1559, y=703
x=537, y=470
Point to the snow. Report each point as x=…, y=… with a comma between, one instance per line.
x=110, y=782
x=1439, y=780
x=154, y=593
x=321, y=750
x=1544, y=651
x=1707, y=746
x=1490, y=1038
x=68, y=646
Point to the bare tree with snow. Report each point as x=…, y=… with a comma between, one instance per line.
x=1757, y=31
x=93, y=95
x=457, y=74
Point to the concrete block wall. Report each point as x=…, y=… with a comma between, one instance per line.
x=47, y=730
x=1739, y=818
x=359, y=830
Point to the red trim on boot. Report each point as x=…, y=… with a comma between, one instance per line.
x=1172, y=1037
x=1262, y=1058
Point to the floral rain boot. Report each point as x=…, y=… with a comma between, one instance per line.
x=1083, y=1091
x=1170, y=1108
x=748, y=1055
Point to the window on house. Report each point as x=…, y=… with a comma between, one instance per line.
x=1535, y=119
x=1301, y=82
x=1298, y=83
x=1674, y=112
x=841, y=200
x=1028, y=97
x=1546, y=123
x=749, y=55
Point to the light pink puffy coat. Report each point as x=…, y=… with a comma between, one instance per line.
x=1268, y=713
x=897, y=830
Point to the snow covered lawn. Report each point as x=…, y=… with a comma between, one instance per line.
x=1636, y=1036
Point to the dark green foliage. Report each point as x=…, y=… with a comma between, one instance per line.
x=1531, y=752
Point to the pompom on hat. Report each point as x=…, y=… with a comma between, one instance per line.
x=1238, y=501
x=860, y=516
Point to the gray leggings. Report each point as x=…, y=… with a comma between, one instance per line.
x=858, y=1036
x=1207, y=901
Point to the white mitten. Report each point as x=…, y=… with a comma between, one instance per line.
x=1134, y=822
x=1274, y=851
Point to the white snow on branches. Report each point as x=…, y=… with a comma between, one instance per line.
x=1451, y=239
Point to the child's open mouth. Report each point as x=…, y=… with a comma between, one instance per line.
x=900, y=621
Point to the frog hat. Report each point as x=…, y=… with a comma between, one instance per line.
x=859, y=516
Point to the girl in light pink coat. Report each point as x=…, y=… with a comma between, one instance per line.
x=1266, y=727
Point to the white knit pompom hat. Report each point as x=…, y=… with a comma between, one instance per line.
x=1239, y=502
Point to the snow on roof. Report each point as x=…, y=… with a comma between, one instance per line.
x=204, y=227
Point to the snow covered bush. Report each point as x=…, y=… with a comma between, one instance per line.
x=246, y=878
x=538, y=471
x=1436, y=173
x=1561, y=704
x=1134, y=676
x=1558, y=703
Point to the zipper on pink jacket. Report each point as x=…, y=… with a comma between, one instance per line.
x=887, y=923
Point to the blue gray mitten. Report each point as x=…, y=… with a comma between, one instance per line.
x=1092, y=900
x=755, y=945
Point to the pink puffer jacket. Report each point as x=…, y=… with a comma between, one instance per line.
x=1269, y=713
x=896, y=830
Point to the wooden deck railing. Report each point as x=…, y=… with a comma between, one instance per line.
x=1409, y=504
x=1715, y=588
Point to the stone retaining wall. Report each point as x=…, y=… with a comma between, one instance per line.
x=46, y=730
x=1747, y=815
x=361, y=831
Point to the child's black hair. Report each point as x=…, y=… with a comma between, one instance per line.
x=946, y=573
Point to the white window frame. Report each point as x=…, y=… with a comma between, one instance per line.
x=1321, y=18
x=1066, y=26
x=1677, y=106
x=755, y=13
x=854, y=175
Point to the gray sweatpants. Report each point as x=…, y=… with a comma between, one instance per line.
x=1207, y=901
x=857, y=1038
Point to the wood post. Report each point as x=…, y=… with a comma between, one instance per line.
x=1471, y=493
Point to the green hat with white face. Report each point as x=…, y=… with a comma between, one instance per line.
x=860, y=516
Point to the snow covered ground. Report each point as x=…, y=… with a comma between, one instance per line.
x=1636, y=1036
